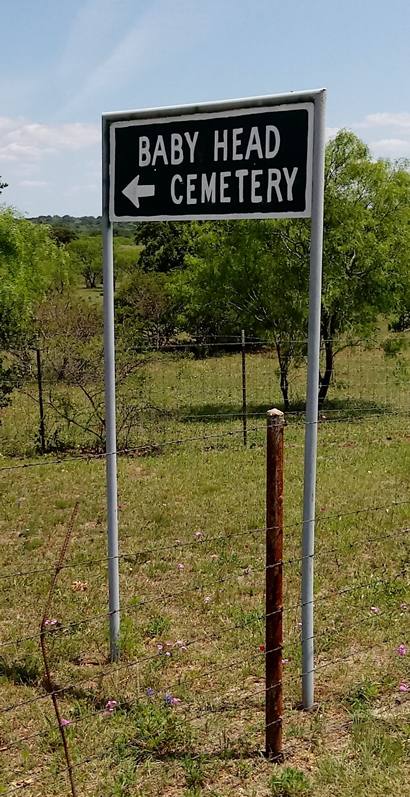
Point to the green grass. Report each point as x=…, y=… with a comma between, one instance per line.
x=174, y=502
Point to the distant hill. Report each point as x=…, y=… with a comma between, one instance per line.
x=82, y=225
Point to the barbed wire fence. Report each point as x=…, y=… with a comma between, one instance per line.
x=198, y=688
x=194, y=384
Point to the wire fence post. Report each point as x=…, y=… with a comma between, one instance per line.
x=274, y=584
x=42, y=431
x=244, y=397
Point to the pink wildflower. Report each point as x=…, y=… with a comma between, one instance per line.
x=198, y=535
x=111, y=705
x=51, y=622
x=64, y=722
x=375, y=610
x=285, y=661
x=403, y=687
x=401, y=650
x=180, y=566
x=160, y=648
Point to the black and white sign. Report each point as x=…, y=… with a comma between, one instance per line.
x=246, y=163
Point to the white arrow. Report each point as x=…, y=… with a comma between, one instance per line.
x=133, y=191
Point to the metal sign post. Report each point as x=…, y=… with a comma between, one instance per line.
x=260, y=157
x=312, y=396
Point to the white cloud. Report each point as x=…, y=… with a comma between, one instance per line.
x=24, y=140
x=391, y=148
x=386, y=119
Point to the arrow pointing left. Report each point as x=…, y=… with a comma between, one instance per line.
x=134, y=191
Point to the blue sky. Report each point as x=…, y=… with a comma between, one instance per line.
x=64, y=63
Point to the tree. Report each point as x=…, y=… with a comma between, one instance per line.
x=2, y=185
x=63, y=235
x=366, y=244
x=245, y=276
x=259, y=270
x=165, y=244
x=30, y=266
x=86, y=254
x=146, y=310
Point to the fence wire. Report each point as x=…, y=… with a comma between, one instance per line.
x=193, y=609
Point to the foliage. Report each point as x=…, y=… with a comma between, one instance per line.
x=146, y=309
x=158, y=730
x=63, y=235
x=289, y=782
x=166, y=244
x=258, y=271
x=86, y=255
x=244, y=275
x=70, y=335
x=31, y=265
x=3, y=185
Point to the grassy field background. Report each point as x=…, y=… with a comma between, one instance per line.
x=188, y=717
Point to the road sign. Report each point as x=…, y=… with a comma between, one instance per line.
x=261, y=157
x=242, y=163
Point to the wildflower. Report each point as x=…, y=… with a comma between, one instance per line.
x=198, y=535
x=285, y=661
x=403, y=606
x=214, y=556
x=375, y=610
x=167, y=653
x=150, y=692
x=401, y=650
x=79, y=586
x=111, y=705
x=207, y=599
x=261, y=648
x=51, y=622
x=170, y=700
x=160, y=648
x=180, y=566
x=64, y=722
x=403, y=687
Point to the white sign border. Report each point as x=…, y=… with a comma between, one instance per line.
x=305, y=214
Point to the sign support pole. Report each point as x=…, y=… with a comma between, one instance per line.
x=309, y=492
x=110, y=416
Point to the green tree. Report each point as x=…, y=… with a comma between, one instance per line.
x=2, y=185
x=86, y=255
x=245, y=275
x=31, y=264
x=258, y=271
x=146, y=309
x=165, y=244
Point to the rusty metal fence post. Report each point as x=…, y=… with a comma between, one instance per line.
x=274, y=584
x=244, y=396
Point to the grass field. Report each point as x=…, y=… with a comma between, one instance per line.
x=192, y=584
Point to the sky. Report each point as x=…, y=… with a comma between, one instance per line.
x=62, y=64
